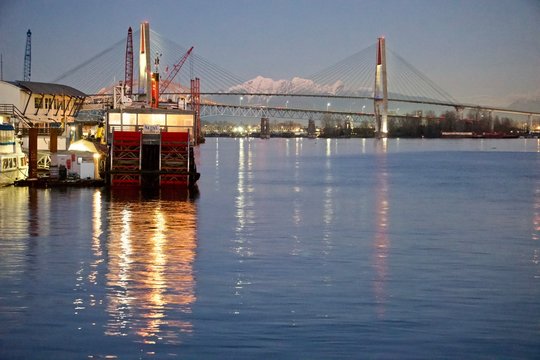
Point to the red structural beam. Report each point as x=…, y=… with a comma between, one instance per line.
x=165, y=83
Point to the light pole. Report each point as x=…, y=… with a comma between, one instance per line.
x=327, y=106
x=363, y=107
x=287, y=104
x=241, y=98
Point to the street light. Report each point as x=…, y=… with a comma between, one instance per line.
x=327, y=106
x=363, y=107
x=287, y=104
x=241, y=98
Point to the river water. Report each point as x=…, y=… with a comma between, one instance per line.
x=293, y=249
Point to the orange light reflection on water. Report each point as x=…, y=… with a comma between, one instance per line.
x=151, y=253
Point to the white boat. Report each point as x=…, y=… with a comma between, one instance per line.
x=13, y=161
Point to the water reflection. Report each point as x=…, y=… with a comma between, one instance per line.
x=217, y=178
x=21, y=204
x=328, y=202
x=244, y=212
x=381, y=241
x=151, y=250
x=536, y=213
x=87, y=281
x=33, y=213
x=536, y=227
x=16, y=224
x=297, y=214
x=97, y=232
x=244, y=199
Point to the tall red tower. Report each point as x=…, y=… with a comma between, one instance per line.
x=128, y=78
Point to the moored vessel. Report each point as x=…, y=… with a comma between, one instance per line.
x=151, y=148
x=13, y=161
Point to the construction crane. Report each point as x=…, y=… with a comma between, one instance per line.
x=128, y=78
x=165, y=84
x=28, y=56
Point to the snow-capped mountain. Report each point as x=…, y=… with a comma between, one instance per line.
x=297, y=85
x=526, y=104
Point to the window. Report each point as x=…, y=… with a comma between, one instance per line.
x=9, y=163
x=48, y=103
x=38, y=104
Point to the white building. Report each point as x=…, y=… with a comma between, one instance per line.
x=27, y=104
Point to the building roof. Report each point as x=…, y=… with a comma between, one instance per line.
x=48, y=88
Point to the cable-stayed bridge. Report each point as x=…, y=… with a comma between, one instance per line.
x=346, y=89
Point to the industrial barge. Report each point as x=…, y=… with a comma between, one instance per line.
x=151, y=147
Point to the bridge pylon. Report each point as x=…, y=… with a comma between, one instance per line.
x=380, y=96
x=145, y=78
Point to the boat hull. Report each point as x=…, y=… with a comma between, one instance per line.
x=13, y=167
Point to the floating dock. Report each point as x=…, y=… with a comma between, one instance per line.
x=47, y=182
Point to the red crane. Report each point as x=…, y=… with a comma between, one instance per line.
x=174, y=71
x=128, y=79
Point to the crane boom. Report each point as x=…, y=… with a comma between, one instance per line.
x=28, y=56
x=174, y=71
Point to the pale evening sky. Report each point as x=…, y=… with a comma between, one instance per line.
x=479, y=51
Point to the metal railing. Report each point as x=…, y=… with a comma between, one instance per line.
x=24, y=123
x=14, y=112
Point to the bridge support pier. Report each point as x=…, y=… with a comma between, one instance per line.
x=33, y=153
x=265, y=128
x=459, y=111
x=311, y=129
x=380, y=104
